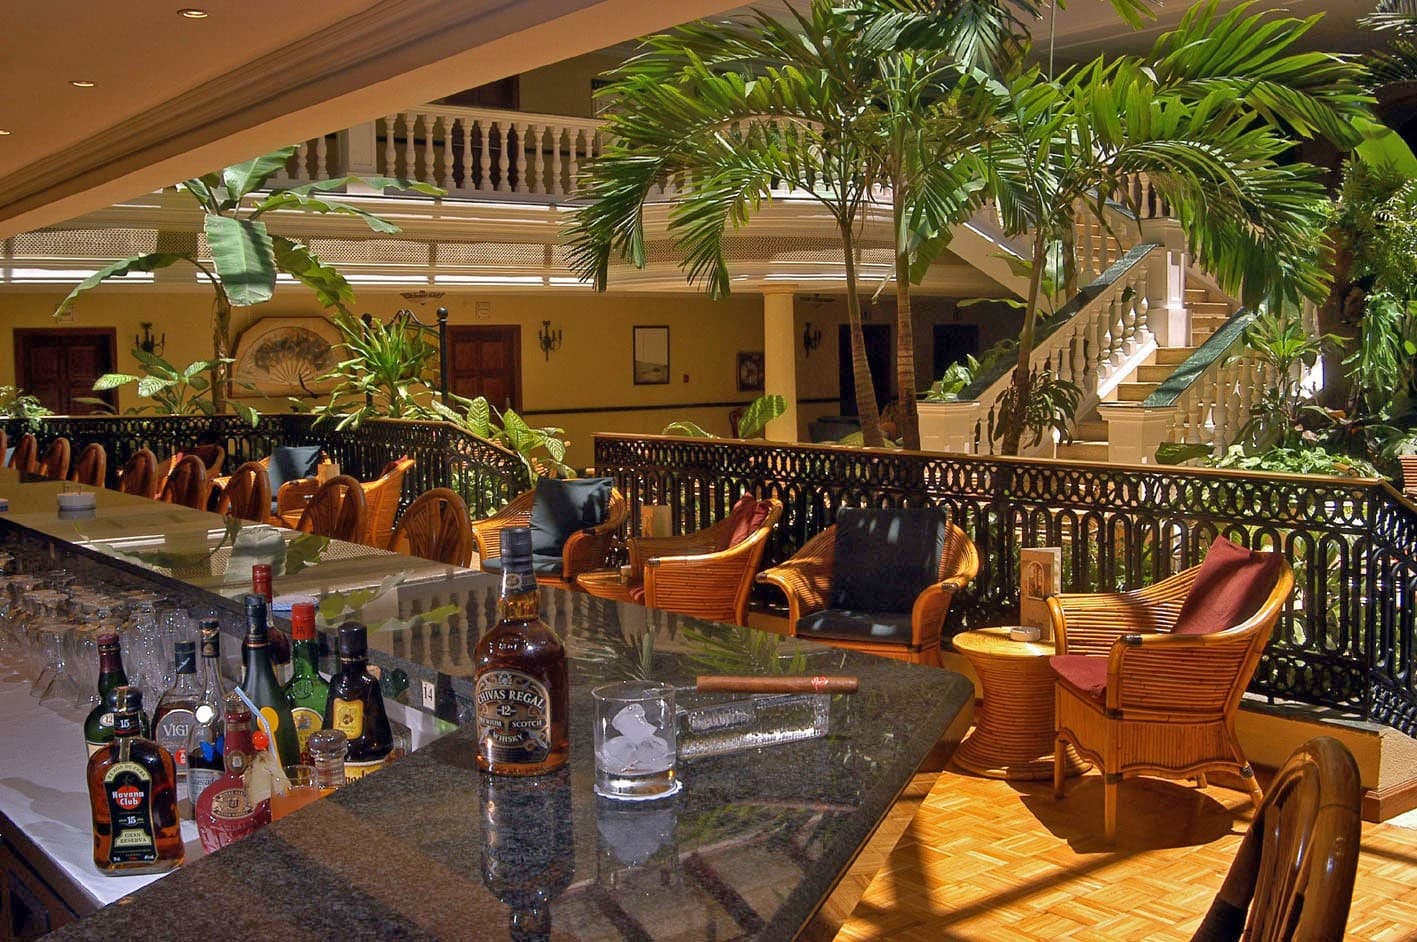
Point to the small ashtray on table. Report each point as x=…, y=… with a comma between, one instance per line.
x=1013, y=726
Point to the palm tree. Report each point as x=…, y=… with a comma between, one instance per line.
x=1207, y=115
x=245, y=255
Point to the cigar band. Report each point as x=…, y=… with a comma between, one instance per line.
x=819, y=683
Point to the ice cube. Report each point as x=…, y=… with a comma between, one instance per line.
x=653, y=755
x=631, y=723
x=617, y=755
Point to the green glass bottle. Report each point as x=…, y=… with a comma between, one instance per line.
x=307, y=690
x=258, y=680
x=98, y=726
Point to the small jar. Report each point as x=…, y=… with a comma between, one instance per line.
x=327, y=750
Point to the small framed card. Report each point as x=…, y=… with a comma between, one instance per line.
x=1040, y=575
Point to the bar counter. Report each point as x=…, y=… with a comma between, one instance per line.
x=429, y=848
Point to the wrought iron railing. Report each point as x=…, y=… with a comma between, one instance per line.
x=1346, y=638
x=486, y=475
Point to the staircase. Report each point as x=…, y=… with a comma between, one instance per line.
x=1209, y=310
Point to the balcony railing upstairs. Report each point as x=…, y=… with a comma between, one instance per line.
x=1346, y=638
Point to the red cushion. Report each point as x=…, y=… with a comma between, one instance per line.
x=637, y=592
x=1231, y=586
x=747, y=515
x=1087, y=675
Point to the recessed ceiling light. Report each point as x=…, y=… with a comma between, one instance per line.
x=81, y=83
x=4, y=132
x=192, y=13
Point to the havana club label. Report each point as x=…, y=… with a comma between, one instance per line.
x=513, y=717
x=129, y=789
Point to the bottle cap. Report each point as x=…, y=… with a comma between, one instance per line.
x=127, y=699
x=516, y=547
x=209, y=624
x=186, y=656
x=108, y=641
x=255, y=615
x=261, y=575
x=302, y=621
x=353, y=640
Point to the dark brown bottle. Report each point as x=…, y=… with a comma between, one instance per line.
x=356, y=706
x=133, y=797
x=521, y=688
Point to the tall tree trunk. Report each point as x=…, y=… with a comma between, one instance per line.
x=866, y=407
x=1339, y=316
x=221, y=344
x=1023, y=372
x=904, y=332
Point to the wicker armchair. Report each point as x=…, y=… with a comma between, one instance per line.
x=1292, y=877
x=435, y=527
x=55, y=463
x=1149, y=701
x=338, y=510
x=381, y=498
x=806, y=581
x=139, y=474
x=92, y=466
x=25, y=453
x=187, y=485
x=583, y=551
x=246, y=494
x=703, y=574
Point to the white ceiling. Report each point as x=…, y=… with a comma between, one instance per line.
x=174, y=97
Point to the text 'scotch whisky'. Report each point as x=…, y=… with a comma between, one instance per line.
x=520, y=693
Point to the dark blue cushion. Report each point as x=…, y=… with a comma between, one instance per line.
x=885, y=558
x=841, y=625
x=291, y=463
x=562, y=507
x=541, y=565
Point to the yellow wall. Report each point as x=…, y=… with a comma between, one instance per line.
x=564, y=87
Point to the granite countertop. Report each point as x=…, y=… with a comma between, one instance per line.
x=428, y=848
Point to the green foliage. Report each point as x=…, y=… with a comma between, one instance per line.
x=169, y=389
x=542, y=450
x=957, y=376
x=1377, y=211
x=1284, y=415
x=15, y=403
x=1304, y=460
x=1381, y=367
x=756, y=416
x=1050, y=406
x=383, y=372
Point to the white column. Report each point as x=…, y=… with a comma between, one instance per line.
x=780, y=358
x=1134, y=431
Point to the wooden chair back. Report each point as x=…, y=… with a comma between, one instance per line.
x=1292, y=878
x=382, y=497
x=212, y=456
x=55, y=463
x=436, y=526
x=92, y=466
x=187, y=484
x=337, y=510
x=247, y=494
x=26, y=450
x=139, y=474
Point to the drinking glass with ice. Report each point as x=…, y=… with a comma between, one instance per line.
x=635, y=740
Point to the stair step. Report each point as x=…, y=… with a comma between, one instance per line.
x=1134, y=392
x=1155, y=373
x=1219, y=309
x=1173, y=356
x=1083, y=451
x=1197, y=294
x=1094, y=430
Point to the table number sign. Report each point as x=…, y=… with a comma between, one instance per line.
x=1040, y=575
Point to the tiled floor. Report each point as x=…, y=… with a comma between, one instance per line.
x=1003, y=861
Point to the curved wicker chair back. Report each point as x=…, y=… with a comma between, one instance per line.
x=436, y=527
x=212, y=457
x=92, y=466
x=55, y=463
x=26, y=450
x=187, y=484
x=1293, y=874
x=247, y=495
x=139, y=475
x=337, y=510
x=382, y=496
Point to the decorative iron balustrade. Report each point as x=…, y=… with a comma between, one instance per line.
x=1346, y=638
x=485, y=474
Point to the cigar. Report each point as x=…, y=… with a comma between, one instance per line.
x=715, y=683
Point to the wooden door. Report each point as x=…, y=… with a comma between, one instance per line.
x=486, y=361
x=60, y=364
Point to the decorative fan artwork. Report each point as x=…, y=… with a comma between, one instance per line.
x=285, y=356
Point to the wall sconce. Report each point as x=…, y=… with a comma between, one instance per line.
x=147, y=342
x=811, y=338
x=549, y=339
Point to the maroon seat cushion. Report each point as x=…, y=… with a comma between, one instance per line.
x=637, y=592
x=1231, y=586
x=1086, y=674
x=747, y=515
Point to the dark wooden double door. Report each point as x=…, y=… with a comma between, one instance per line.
x=486, y=361
x=59, y=365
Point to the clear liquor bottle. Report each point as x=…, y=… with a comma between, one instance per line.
x=520, y=693
x=204, y=745
x=132, y=786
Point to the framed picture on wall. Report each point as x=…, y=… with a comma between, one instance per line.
x=750, y=371
x=651, y=355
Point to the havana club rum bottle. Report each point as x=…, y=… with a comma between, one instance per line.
x=355, y=706
x=133, y=797
x=307, y=691
x=520, y=692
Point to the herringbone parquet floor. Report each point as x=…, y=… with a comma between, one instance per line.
x=992, y=861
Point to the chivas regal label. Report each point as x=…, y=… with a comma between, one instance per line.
x=513, y=717
x=129, y=789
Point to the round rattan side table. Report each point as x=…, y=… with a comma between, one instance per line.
x=1013, y=726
